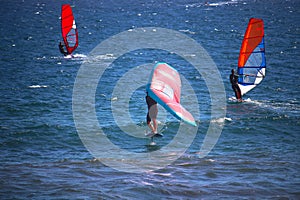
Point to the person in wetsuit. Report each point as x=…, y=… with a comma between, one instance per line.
x=61, y=49
x=151, y=114
x=234, y=84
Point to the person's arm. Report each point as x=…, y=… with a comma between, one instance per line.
x=230, y=78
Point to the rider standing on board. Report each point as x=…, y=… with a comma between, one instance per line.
x=61, y=49
x=152, y=114
x=234, y=84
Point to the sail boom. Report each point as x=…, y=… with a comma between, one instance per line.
x=254, y=67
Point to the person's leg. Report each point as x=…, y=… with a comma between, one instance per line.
x=151, y=117
x=238, y=94
x=154, y=125
x=149, y=123
x=154, y=112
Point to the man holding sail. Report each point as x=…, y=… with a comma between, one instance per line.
x=234, y=84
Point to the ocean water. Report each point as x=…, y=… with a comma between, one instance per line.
x=44, y=155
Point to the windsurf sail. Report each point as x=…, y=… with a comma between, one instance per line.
x=165, y=88
x=68, y=28
x=252, y=61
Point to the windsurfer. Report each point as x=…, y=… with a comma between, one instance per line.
x=61, y=49
x=152, y=114
x=234, y=84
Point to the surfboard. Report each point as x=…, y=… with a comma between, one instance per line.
x=233, y=100
x=68, y=56
x=68, y=28
x=165, y=88
x=151, y=134
x=252, y=61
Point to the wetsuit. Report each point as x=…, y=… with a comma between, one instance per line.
x=62, y=50
x=234, y=83
x=150, y=102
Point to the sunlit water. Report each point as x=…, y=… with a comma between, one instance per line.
x=42, y=156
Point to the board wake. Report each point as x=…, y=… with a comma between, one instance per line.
x=234, y=100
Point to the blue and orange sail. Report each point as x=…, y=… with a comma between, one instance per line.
x=68, y=28
x=165, y=88
x=252, y=60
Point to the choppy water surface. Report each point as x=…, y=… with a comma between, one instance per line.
x=42, y=156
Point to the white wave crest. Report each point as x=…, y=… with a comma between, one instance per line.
x=37, y=86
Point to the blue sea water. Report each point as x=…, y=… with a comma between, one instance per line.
x=42, y=154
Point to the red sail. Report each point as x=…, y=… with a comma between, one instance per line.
x=68, y=28
x=253, y=36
